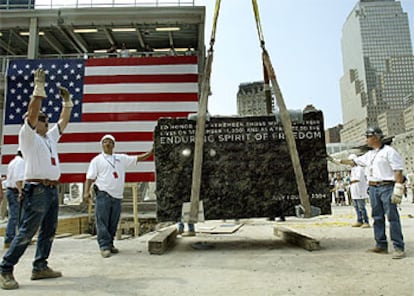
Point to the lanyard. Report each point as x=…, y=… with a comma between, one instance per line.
x=110, y=163
x=48, y=144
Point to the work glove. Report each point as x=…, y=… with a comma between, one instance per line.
x=334, y=160
x=64, y=93
x=39, y=83
x=398, y=193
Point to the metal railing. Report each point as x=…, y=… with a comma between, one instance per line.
x=54, y=4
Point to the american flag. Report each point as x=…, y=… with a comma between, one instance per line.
x=120, y=96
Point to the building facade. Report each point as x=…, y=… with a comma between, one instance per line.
x=251, y=99
x=409, y=118
x=378, y=66
x=332, y=135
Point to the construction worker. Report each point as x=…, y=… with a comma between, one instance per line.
x=386, y=189
x=42, y=172
x=14, y=195
x=358, y=191
x=107, y=171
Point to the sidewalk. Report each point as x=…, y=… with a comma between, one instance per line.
x=251, y=261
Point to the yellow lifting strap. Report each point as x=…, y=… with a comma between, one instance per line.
x=201, y=124
x=285, y=118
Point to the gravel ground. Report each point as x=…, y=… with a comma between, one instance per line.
x=251, y=261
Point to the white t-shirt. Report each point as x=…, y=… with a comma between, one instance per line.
x=358, y=189
x=40, y=153
x=15, y=171
x=381, y=163
x=108, y=171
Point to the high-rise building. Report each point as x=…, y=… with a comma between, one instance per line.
x=332, y=134
x=378, y=65
x=251, y=99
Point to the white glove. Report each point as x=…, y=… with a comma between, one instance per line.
x=64, y=93
x=397, y=193
x=334, y=160
x=39, y=83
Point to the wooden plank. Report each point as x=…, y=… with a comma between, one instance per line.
x=135, y=209
x=199, y=139
x=134, y=188
x=290, y=139
x=292, y=237
x=82, y=236
x=226, y=228
x=163, y=240
x=63, y=235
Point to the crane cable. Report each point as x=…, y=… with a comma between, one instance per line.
x=258, y=23
x=285, y=117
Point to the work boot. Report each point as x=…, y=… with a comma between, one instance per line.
x=7, y=281
x=378, y=250
x=358, y=224
x=398, y=254
x=46, y=273
x=114, y=250
x=106, y=253
x=189, y=233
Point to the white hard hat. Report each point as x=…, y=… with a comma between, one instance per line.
x=108, y=137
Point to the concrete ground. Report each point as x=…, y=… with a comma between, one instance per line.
x=251, y=261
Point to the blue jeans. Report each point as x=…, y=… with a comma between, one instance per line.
x=361, y=211
x=181, y=227
x=380, y=198
x=14, y=207
x=40, y=208
x=107, y=212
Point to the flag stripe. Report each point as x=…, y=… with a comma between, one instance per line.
x=131, y=97
x=98, y=127
x=141, y=79
x=91, y=137
x=130, y=116
x=126, y=88
x=75, y=167
x=167, y=60
x=89, y=147
x=124, y=97
x=122, y=107
x=87, y=157
x=130, y=177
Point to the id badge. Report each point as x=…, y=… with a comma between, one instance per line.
x=370, y=172
x=115, y=175
x=53, y=161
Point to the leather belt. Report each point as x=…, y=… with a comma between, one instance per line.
x=14, y=189
x=44, y=182
x=380, y=183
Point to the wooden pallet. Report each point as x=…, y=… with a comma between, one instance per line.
x=74, y=225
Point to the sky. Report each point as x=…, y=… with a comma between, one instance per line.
x=303, y=38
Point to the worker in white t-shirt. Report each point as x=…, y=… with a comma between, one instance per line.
x=107, y=171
